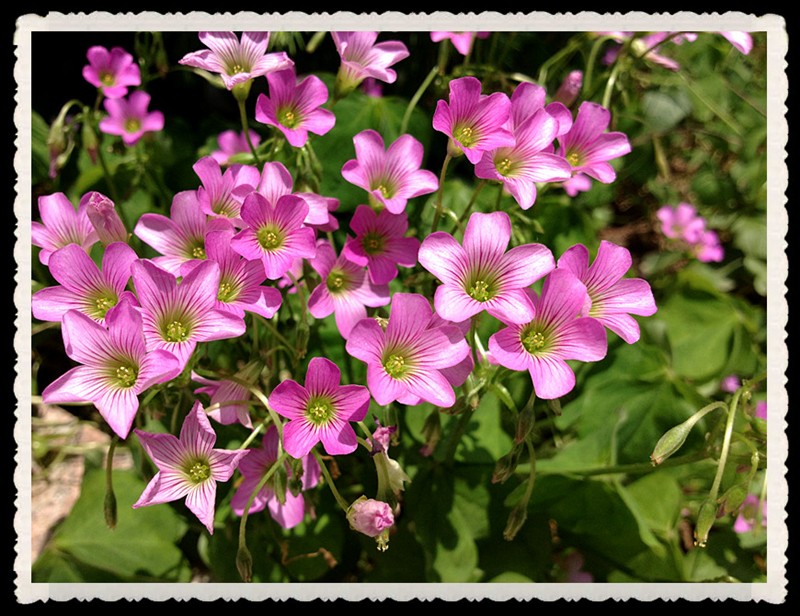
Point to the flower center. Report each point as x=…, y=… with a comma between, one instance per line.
x=533, y=340
x=336, y=281
x=466, y=136
x=235, y=69
x=504, y=167
x=132, y=125
x=373, y=243
x=320, y=411
x=383, y=189
x=288, y=118
x=574, y=159
x=197, y=471
x=270, y=237
x=396, y=366
x=102, y=304
x=227, y=292
x=106, y=78
x=176, y=332
x=481, y=291
x=126, y=375
x=198, y=252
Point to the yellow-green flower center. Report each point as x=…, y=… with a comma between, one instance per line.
x=466, y=136
x=235, y=69
x=337, y=281
x=320, y=411
x=574, y=159
x=176, y=331
x=198, y=252
x=533, y=340
x=270, y=237
x=396, y=366
x=101, y=305
x=106, y=78
x=227, y=292
x=197, y=471
x=132, y=125
x=373, y=243
x=481, y=290
x=504, y=167
x=288, y=118
x=126, y=375
x=383, y=189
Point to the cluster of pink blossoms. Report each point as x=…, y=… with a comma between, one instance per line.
x=522, y=140
x=112, y=73
x=683, y=224
x=229, y=247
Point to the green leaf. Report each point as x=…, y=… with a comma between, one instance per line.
x=142, y=547
x=40, y=155
x=664, y=110
x=658, y=499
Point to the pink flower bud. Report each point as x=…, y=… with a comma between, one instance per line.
x=369, y=516
x=104, y=218
x=570, y=88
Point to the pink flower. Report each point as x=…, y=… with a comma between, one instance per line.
x=572, y=565
x=61, y=225
x=320, y=411
x=391, y=176
x=647, y=46
x=275, y=233
x=743, y=41
x=474, y=122
x=530, y=159
x=129, y=117
x=730, y=383
x=220, y=193
x=288, y=511
x=345, y=290
x=362, y=57
x=761, y=410
x=295, y=107
x=380, y=243
x=578, y=183
x=708, y=248
x=482, y=275
x=370, y=517
x=587, y=146
x=181, y=236
x=104, y=218
x=231, y=143
x=240, y=287
x=557, y=333
x=236, y=61
x=230, y=397
x=462, y=41
x=82, y=285
x=178, y=316
x=614, y=297
x=111, y=71
x=748, y=518
x=115, y=365
x=188, y=466
x=681, y=222
x=407, y=358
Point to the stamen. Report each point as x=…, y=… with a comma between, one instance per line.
x=533, y=341
x=480, y=291
x=395, y=366
x=176, y=332
x=198, y=252
x=270, y=238
x=198, y=472
x=132, y=125
x=125, y=376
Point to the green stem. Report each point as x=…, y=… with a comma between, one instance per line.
x=468, y=209
x=440, y=196
x=726, y=443
x=112, y=188
x=612, y=80
x=573, y=44
x=256, y=431
x=329, y=480
x=110, y=504
x=415, y=99
x=634, y=469
x=246, y=130
x=589, y=74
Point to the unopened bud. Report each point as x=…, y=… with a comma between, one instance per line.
x=569, y=89
x=524, y=424
x=733, y=498
x=89, y=141
x=372, y=518
x=104, y=218
x=110, y=509
x=242, y=90
x=705, y=520
x=280, y=482
x=244, y=563
x=516, y=519
x=507, y=465
x=671, y=441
